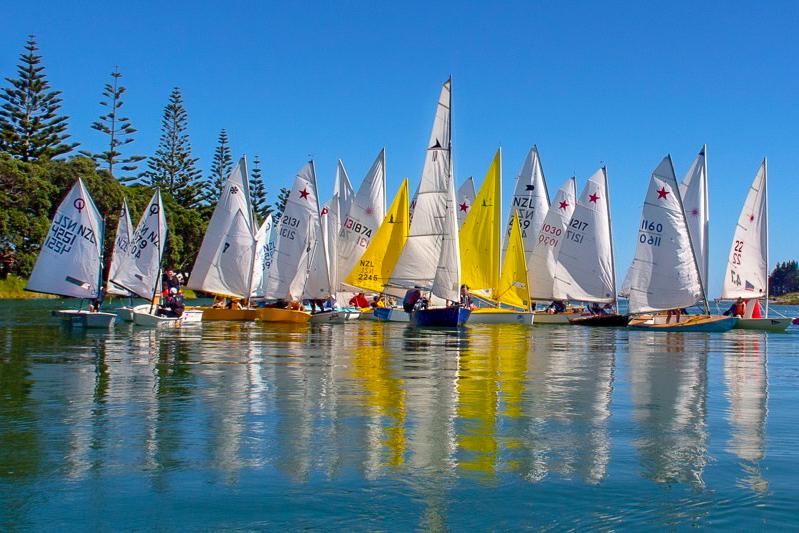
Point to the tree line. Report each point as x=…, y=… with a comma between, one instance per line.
x=39, y=162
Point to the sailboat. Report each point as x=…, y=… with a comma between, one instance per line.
x=480, y=237
x=465, y=199
x=373, y=269
x=297, y=270
x=585, y=270
x=664, y=275
x=225, y=265
x=70, y=262
x=430, y=260
x=543, y=260
x=119, y=258
x=747, y=266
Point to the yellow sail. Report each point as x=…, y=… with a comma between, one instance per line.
x=480, y=233
x=512, y=288
x=374, y=268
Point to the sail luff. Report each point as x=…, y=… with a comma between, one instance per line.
x=691, y=245
x=765, y=223
x=610, y=236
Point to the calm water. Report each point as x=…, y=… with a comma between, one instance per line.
x=380, y=426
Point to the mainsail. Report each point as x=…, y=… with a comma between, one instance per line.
x=374, y=268
x=584, y=269
x=747, y=266
x=419, y=261
x=542, y=262
x=531, y=200
x=465, y=199
x=663, y=274
x=70, y=259
x=360, y=222
x=446, y=283
x=142, y=274
x=481, y=232
x=296, y=242
x=265, y=245
x=211, y=272
x=695, y=200
x=332, y=214
x=120, y=256
x=512, y=288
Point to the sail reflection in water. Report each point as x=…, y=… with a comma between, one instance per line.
x=392, y=426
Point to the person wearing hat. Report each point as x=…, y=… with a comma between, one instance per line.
x=169, y=281
x=172, y=307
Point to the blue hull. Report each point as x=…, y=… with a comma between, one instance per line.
x=440, y=317
x=716, y=326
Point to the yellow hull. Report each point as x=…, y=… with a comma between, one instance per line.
x=212, y=313
x=270, y=314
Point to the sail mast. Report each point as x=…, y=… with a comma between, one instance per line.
x=765, y=221
x=610, y=236
x=678, y=194
x=705, y=223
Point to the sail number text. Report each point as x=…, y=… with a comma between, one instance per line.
x=575, y=230
x=288, y=227
x=550, y=235
x=650, y=232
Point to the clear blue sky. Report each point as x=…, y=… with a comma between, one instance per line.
x=623, y=83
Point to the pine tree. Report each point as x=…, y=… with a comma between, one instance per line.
x=30, y=126
x=119, y=131
x=220, y=166
x=280, y=206
x=258, y=191
x=172, y=167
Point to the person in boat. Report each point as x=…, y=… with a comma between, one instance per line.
x=557, y=306
x=596, y=309
x=169, y=281
x=676, y=313
x=219, y=302
x=738, y=308
x=172, y=306
x=317, y=302
x=330, y=303
x=466, y=298
x=359, y=301
x=411, y=297
x=294, y=304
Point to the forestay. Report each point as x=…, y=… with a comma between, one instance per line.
x=295, y=240
x=420, y=257
x=141, y=274
x=747, y=266
x=119, y=255
x=541, y=275
x=695, y=201
x=584, y=268
x=531, y=200
x=69, y=262
x=663, y=274
x=360, y=223
x=466, y=196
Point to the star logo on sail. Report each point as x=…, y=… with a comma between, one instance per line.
x=695, y=212
x=662, y=193
x=370, y=211
x=751, y=218
x=304, y=193
x=325, y=211
x=564, y=204
x=593, y=198
x=464, y=207
x=234, y=190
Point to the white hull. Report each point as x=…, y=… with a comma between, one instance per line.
x=86, y=319
x=334, y=317
x=542, y=317
x=126, y=313
x=152, y=321
x=501, y=316
x=763, y=324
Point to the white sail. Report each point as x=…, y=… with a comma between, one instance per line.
x=360, y=222
x=206, y=276
x=695, y=201
x=333, y=213
x=419, y=260
x=541, y=272
x=747, y=266
x=584, y=269
x=294, y=240
x=465, y=199
x=69, y=261
x=663, y=274
x=446, y=283
x=142, y=273
x=531, y=200
x=260, y=262
x=234, y=258
x=119, y=256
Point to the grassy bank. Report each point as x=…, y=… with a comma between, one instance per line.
x=792, y=298
x=13, y=287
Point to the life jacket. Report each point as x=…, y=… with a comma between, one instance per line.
x=740, y=309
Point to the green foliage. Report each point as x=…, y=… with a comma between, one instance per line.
x=784, y=278
x=30, y=125
x=282, y=198
x=221, y=166
x=172, y=167
x=258, y=191
x=119, y=131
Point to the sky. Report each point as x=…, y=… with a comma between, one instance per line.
x=590, y=83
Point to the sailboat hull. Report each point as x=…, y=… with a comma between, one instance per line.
x=338, y=316
x=152, y=321
x=602, y=321
x=126, y=313
x=701, y=323
x=501, y=316
x=440, y=317
x=211, y=313
x=391, y=314
x=763, y=324
x=85, y=319
x=542, y=317
x=274, y=314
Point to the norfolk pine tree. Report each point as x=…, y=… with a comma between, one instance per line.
x=30, y=126
x=119, y=131
x=280, y=205
x=221, y=166
x=172, y=167
x=258, y=191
